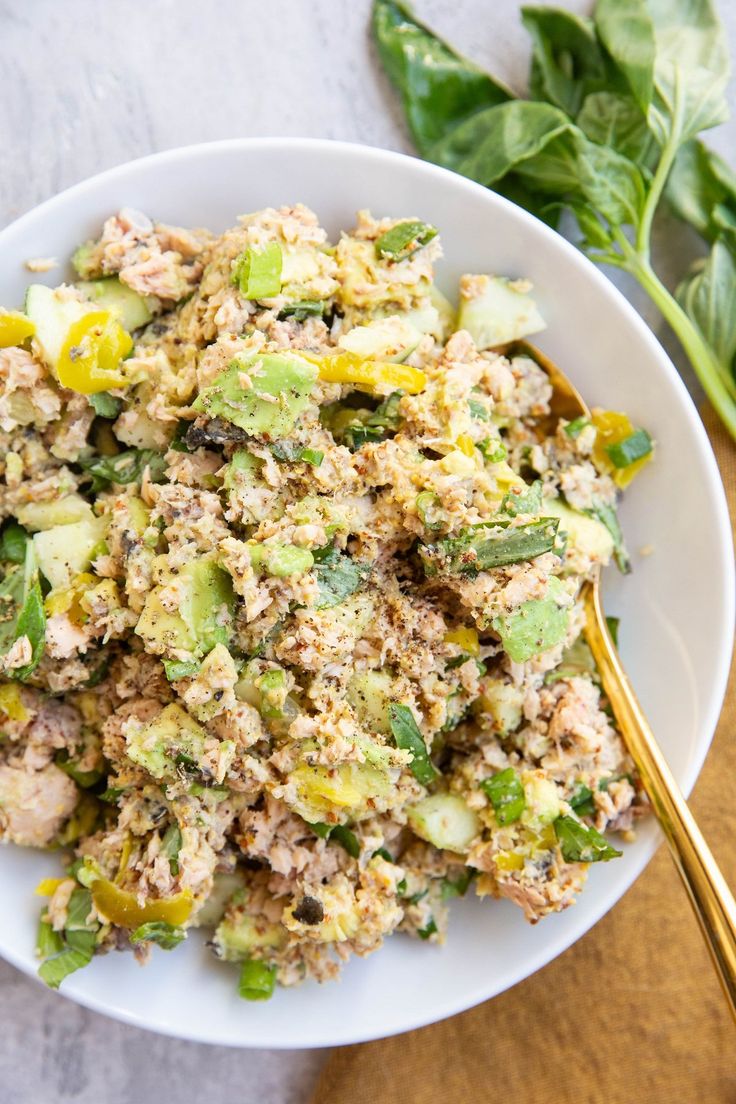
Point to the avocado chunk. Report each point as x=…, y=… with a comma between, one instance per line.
x=536, y=626
x=204, y=616
x=67, y=550
x=240, y=932
x=172, y=741
x=131, y=309
x=493, y=311
x=588, y=538
x=280, y=386
x=333, y=793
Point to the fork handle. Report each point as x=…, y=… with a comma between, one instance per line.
x=707, y=889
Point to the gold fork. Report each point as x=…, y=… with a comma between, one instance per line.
x=707, y=889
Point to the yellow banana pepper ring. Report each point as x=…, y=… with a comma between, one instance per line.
x=370, y=375
x=467, y=639
x=120, y=907
x=14, y=328
x=90, y=357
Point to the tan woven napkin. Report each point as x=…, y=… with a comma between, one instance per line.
x=632, y=1012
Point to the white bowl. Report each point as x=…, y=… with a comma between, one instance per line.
x=676, y=609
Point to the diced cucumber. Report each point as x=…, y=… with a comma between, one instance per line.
x=446, y=821
x=65, y=551
x=370, y=693
x=391, y=339
x=504, y=702
x=224, y=885
x=52, y=317
x=63, y=511
x=496, y=312
x=131, y=309
x=542, y=800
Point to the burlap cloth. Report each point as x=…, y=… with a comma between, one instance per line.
x=632, y=1013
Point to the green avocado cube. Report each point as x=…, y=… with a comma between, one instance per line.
x=262, y=394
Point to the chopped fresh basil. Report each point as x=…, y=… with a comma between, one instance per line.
x=338, y=576
x=105, y=405
x=125, y=467
x=505, y=792
x=581, y=843
x=167, y=936
x=408, y=737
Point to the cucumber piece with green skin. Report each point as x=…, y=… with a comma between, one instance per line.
x=281, y=387
x=392, y=339
x=497, y=313
x=131, y=309
x=65, y=551
x=239, y=933
x=52, y=316
x=204, y=615
x=446, y=821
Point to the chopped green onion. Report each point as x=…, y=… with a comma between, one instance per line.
x=408, y=737
x=166, y=935
x=111, y=794
x=574, y=428
x=257, y=980
x=483, y=547
x=492, y=450
x=180, y=668
x=301, y=309
x=634, y=447
x=404, y=239
x=579, y=843
x=506, y=794
x=257, y=272
x=427, y=504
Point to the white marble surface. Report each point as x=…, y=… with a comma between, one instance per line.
x=87, y=84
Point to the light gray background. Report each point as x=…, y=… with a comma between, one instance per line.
x=87, y=84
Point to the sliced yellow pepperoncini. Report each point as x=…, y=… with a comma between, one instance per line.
x=121, y=908
x=509, y=860
x=47, y=887
x=90, y=357
x=68, y=599
x=370, y=375
x=11, y=702
x=15, y=328
x=612, y=427
x=466, y=639
x=465, y=444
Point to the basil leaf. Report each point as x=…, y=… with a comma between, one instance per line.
x=166, y=935
x=582, y=801
x=347, y=840
x=171, y=846
x=13, y=542
x=505, y=792
x=125, y=467
x=709, y=295
x=701, y=190
x=79, y=910
x=431, y=929
x=613, y=627
x=567, y=60
x=54, y=970
x=439, y=88
x=338, y=576
x=22, y=613
x=580, y=843
x=408, y=737
x=615, y=119
x=301, y=309
x=499, y=139
x=180, y=668
x=607, y=516
x=674, y=56
x=48, y=941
